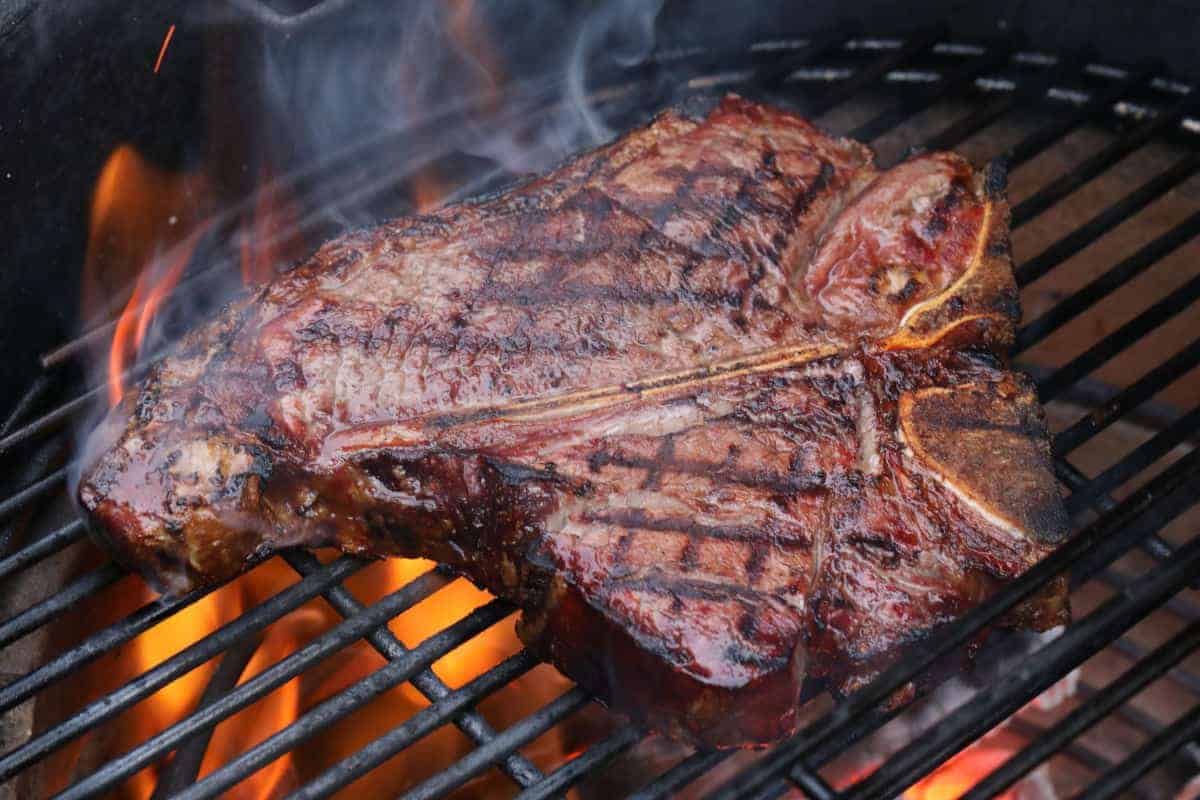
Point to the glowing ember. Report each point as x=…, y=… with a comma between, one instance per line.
x=958, y=775
x=162, y=51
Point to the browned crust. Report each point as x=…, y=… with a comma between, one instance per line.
x=988, y=441
x=641, y=683
x=982, y=305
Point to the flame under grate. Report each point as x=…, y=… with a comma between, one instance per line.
x=1136, y=502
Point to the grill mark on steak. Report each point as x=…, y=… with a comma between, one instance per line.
x=640, y=519
x=687, y=588
x=717, y=473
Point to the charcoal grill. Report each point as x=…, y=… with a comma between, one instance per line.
x=1101, y=366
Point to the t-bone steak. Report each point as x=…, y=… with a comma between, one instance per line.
x=721, y=406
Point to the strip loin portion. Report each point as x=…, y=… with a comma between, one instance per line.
x=721, y=406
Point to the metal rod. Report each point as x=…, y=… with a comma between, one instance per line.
x=93, y=647
x=322, y=715
x=32, y=492
x=1104, y=540
x=39, y=387
x=44, y=547
x=472, y=723
x=1056, y=190
x=512, y=738
x=1122, y=338
x=1098, y=706
x=1078, y=752
x=1152, y=545
x=179, y=664
x=1135, y=461
x=52, y=419
x=1031, y=90
x=1132, y=650
x=871, y=73
x=1180, y=606
x=1127, y=399
x=771, y=74
x=416, y=727
x=577, y=768
x=909, y=106
x=183, y=768
x=58, y=603
x=1115, y=278
x=1123, y=775
x=1062, y=124
x=1106, y=220
x=680, y=775
x=812, y=784
x=1032, y=675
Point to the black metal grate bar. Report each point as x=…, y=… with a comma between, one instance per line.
x=181, y=663
x=683, y=773
x=183, y=768
x=1085, y=716
x=1055, y=191
x=93, y=647
x=1035, y=673
x=1120, y=339
x=261, y=684
x=1106, y=220
x=1062, y=124
x=512, y=738
x=910, y=105
x=35, y=491
x=1147, y=757
x=329, y=711
x=872, y=73
x=1030, y=90
x=593, y=758
x=812, y=784
x=1134, y=651
x=1077, y=752
x=426, y=682
x=771, y=74
x=414, y=728
x=1139, y=459
x=44, y=547
x=1070, y=476
x=1087, y=296
x=1128, y=399
x=59, y=603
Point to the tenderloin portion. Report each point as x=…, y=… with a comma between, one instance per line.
x=720, y=406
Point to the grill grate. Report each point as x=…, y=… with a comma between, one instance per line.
x=818, y=76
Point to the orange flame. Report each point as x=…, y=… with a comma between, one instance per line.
x=958, y=775
x=427, y=191
x=152, y=288
x=281, y=707
x=142, y=230
x=268, y=236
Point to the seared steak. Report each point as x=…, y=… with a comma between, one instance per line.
x=721, y=406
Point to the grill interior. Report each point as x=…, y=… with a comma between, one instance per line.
x=1102, y=160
